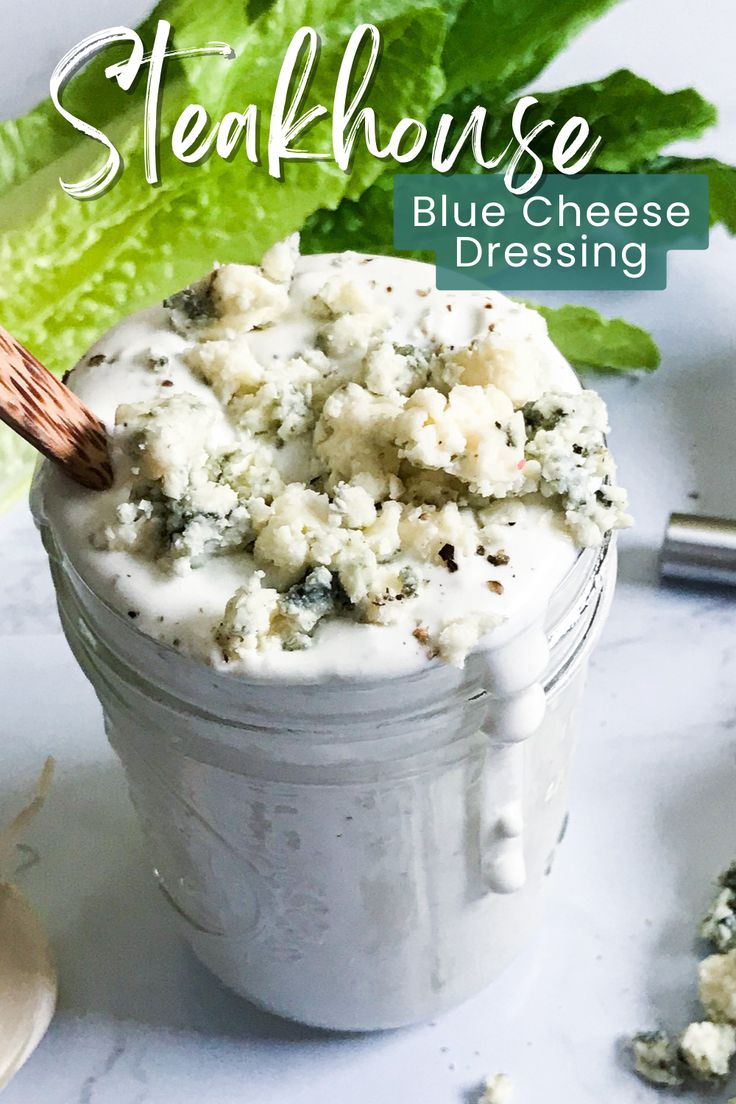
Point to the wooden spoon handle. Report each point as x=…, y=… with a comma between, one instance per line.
x=51, y=417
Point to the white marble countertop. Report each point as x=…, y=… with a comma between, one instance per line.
x=653, y=810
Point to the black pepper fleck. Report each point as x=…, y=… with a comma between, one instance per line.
x=498, y=559
x=447, y=555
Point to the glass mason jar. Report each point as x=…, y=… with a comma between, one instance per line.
x=351, y=854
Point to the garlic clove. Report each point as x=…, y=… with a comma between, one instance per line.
x=28, y=983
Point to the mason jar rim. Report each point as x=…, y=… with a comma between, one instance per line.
x=136, y=670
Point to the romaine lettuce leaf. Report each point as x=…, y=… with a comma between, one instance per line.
x=88, y=264
x=588, y=340
x=41, y=136
x=722, y=180
x=635, y=119
x=498, y=46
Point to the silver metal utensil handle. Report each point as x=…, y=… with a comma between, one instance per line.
x=701, y=549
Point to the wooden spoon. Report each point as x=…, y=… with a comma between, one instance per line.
x=51, y=417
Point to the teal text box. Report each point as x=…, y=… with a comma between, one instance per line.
x=607, y=232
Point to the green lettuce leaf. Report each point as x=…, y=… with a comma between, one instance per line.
x=722, y=180
x=88, y=264
x=634, y=118
x=498, y=46
x=41, y=136
x=588, y=340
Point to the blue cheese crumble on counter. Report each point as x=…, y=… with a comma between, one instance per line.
x=719, y=923
x=317, y=443
x=498, y=1089
x=705, y=1048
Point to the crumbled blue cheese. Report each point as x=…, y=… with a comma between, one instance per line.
x=460, y=636
x=353, y=319
x=498, y=1090
x=719, y=923
x=301, y=531
x=707, y=1048
x=656, y=1059
x=567, y=456
x=354, y=505
x=351, y=457
x=180, y=509
x=392, y=369
x=426, y=529
x=506, y=357
x=229, y=367
x=248, y=624
x=258, y=618
x=281, y=399
x=472, y=433
x=279, y=261
x=717, y=978
x=133, y=529
x=355, y=440
x=232, y=300
x=341, y=295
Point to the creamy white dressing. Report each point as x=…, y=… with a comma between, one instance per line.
x=184, y=609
